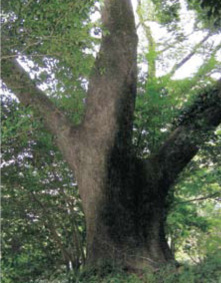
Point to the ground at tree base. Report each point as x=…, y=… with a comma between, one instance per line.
x=208, y=271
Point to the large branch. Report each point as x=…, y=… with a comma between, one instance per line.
x=194, y=128
x=17, y=79
x=107, y=126
x=112, y=86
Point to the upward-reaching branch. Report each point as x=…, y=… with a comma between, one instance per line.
x=189, y=56
x=112, y=86
x=151, y=56
x=184, y=142
x=24, y=88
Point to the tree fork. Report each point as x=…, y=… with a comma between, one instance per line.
x=123, y=198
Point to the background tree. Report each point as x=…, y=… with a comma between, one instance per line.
x=124, y=170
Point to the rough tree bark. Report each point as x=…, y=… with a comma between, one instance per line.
x=123, y=197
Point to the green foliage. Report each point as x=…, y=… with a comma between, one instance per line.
x=58, y=37
x=193, y=223
x=164, y=12
x=167, y=11
x=206, y=272
x=153, y=115
x=209, y=11
x=42, y=219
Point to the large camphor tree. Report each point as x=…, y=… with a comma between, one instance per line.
x=124, y=197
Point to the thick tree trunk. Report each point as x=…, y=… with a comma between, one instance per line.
x=123, y=197
x=104, y=171
x=127, y=226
